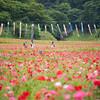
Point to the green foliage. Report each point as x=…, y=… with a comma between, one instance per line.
x=46, y=36
x=28, y=36
x=36, y=12
x=17, y=26
x=43, y=36
x=98, y=33
x=85, y=37
x=5, y=17
x=2, y=3
x=77, y=3
x=52, y=1
x=91, y=12
x=26, y=1
x=13, y=8
x=74, y=15
x=4, y=32
x=47, y=12
x=59, y=17
x=47, y=20
x=64, y=8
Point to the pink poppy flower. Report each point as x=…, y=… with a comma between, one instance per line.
x=52, y=92
x=46, y=99
x=88, y=94
x=79, y=95
x=13, y=83
x=48, y=95
x=7, y=88
x=43, y=89
x=12, y=98
x=67, y=97
x=24, y=79
x=70, y=88
x=66, y=79
x=64, y=74
x=14, y=72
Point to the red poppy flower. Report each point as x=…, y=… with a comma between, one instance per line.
x=78, y=88
x=1, y=86
x=38, y=95
x=24, y=95
x=41, y=78
x=96, y=82
x=59, y=72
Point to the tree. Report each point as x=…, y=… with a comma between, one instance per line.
x=61, y=1
x=59, y=17
x=2, y=3
x=26, y=1
x=64, y=8
x=77, y=3
x=74, y=15
x=14, y=8
x=36, y=11
x=5, y=17
x=91, y=13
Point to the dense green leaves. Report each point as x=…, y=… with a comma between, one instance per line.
x=22, y=11
x=47, y=12
x=74, y=15
x=64, y=8
x=36, y=11
x=5, y=17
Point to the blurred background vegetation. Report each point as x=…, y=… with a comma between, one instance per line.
x=47, y=12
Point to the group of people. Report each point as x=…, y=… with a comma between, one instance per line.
x=25, y=44
x=33, y=45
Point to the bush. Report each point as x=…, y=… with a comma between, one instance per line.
x=46, y=36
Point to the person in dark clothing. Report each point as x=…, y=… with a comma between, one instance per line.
x=32, y=45
x=24, y=44
x=53, y=44
x=40, y=51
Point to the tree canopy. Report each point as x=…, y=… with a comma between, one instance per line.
x=36, y=10
x=50, y=11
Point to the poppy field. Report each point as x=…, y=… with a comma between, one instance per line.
x=68, y=71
